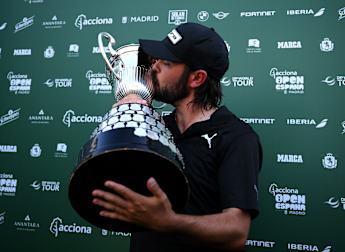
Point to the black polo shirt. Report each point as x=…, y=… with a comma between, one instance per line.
x=222, y=159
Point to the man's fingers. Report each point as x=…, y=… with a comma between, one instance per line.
x=155, y=189
x=122, y=190
x=109, y=197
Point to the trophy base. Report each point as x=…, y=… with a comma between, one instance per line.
x=131, y=166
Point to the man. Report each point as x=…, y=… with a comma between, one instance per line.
x=222, y=154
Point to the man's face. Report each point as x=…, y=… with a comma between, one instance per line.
x=170, y=81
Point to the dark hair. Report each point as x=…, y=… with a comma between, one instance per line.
x=209, y=94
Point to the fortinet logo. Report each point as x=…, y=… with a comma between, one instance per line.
x=259, y=120
x=262, y=244
x=257, y=13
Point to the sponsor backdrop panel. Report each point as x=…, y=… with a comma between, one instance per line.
x=286, y=79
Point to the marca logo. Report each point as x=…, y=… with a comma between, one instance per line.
x=82, y=21
x=21, y=52
x=8, y=148
x=57, y=227
x=289, y=158
x=289, y=44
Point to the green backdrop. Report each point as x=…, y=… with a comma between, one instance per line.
x=286, y=79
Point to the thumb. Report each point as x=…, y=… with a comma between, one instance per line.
x=154, y=188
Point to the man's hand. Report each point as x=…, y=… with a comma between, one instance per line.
x=154, y=212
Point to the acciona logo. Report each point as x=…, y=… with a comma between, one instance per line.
x=288, y=81
x=288, y=200
x=82, y=21
x=70, y=117
x=99, y=83
x=57, y=227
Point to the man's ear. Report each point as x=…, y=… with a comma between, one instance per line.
x=197, y=78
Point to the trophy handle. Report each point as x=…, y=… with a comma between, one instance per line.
x=114, y=55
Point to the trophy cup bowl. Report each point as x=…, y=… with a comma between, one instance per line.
x=131, y=144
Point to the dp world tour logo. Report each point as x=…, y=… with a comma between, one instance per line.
x=57, y=227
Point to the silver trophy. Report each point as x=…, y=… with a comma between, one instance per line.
x=131, y=144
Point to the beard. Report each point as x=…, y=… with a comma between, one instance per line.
x=173, y=90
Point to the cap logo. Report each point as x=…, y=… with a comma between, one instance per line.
x=174, y=36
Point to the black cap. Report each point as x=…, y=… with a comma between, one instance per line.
x=198, y=46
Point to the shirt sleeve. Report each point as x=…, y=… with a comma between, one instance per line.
x=238, y=173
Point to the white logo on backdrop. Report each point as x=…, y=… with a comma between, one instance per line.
x=326, y=45
x=341, y=13
x=25, y=23
x=57, y=226
x=35, y=151
x=329, y=161
x=49, y=52
x=178, y=17
x=82, y=21
x=288, y=81
x=203, y=16
x=9, y=117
